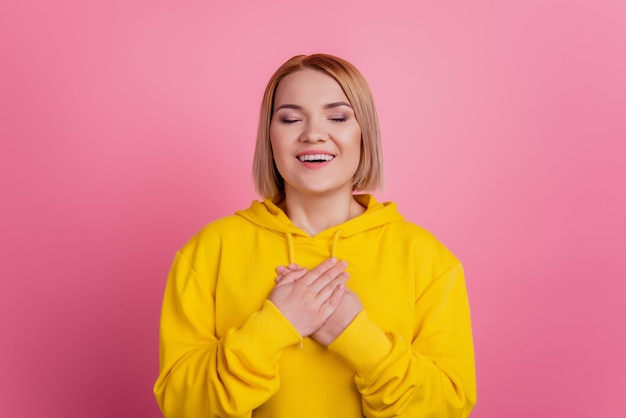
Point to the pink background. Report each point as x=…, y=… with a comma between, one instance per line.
x=127, y=126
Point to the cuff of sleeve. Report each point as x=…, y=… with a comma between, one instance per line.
x=362, y=344
x=269, y=332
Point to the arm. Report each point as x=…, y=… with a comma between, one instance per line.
x=433, y=375
x=202, y=375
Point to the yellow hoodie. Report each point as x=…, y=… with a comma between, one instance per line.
x=226, y=351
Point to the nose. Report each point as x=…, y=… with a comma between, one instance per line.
x=313, y=132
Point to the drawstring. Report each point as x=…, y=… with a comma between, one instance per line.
x=290, y=251
x=292, y=258
x=333, y=246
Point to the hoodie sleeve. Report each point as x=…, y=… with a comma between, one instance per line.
x=203, y=375
x=431, y=376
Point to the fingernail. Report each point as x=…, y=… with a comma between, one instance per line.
x=280, y=269
x=293, y=266
x=333, y=260
x=344, y=263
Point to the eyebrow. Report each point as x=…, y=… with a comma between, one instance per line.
x=326, y=106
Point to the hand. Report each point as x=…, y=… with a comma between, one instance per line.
x=308, y=298
x=338, y=321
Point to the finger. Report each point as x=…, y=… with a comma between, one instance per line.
x=290, y=276
x=327, y=276
x=280, y=270
x=320, y=269
x=335, y=298
x=326, y=292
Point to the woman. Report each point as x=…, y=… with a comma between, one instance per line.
x=316, y=302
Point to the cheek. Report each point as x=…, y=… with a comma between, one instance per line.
x=357, y=142
x=356, y=132
x=278, y=155
x=276, y=149
x=276, y=140
x=274, y=144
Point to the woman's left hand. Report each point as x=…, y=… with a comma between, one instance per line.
x=339, y=320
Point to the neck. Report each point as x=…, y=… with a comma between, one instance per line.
x=315, y=213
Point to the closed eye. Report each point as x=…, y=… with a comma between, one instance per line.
x=289, y=121
x=342, y=119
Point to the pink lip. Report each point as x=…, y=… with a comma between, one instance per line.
x=314, y=166
x=314, y=151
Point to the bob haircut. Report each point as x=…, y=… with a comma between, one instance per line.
x=369, y=174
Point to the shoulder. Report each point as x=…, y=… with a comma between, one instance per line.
x=228, y=225
x=409, y=235
x=218, y=230
x=424, y=245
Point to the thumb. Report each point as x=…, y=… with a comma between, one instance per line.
x=289, y=276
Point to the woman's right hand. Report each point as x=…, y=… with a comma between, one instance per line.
x=307, y=298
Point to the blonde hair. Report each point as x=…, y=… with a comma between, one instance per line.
x=369, y=174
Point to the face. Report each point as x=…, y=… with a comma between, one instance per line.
x=315, y=137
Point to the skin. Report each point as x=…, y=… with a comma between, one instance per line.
x=308, y=298
x=344, y=312
x=313, y=113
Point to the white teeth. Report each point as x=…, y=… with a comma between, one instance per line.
x=316, y=157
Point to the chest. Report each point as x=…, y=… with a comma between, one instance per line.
x=381, y=274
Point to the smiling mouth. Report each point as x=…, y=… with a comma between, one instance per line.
x=315, y=158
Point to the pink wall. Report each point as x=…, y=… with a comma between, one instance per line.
x=125, y=127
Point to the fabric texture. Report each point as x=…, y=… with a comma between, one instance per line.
x=226, y=351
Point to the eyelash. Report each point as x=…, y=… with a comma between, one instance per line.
x=290, y=121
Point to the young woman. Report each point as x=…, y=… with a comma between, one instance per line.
x=317, y=301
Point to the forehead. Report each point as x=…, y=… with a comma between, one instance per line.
x=310, y=87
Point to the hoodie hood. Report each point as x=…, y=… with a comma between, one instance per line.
x=268, y=215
